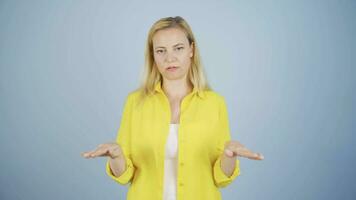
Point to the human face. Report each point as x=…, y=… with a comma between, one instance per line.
x=172, y=53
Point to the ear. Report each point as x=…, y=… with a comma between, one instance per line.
x=191, y=49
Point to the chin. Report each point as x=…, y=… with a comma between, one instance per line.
x=173, y=76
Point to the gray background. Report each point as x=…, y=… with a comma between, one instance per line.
x=286, y=69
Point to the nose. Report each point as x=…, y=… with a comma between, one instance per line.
x=170, y=57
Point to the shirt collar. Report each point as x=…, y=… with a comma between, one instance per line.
x=201, y=94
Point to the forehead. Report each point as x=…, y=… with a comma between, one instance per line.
x=169, y=37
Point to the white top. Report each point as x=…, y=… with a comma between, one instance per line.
x=170, y=164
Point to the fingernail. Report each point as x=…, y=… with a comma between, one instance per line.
x=229, y=153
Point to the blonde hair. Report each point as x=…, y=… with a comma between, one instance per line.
x=151, y=76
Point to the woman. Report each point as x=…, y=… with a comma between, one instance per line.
x=174, y=138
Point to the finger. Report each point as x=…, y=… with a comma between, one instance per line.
x=89, y=154
x=92, y=154
x=86, y=154
x=256, y=156
x=99, y=152
x=251, y=155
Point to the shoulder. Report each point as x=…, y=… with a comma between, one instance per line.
x=133, y=95
x=131, y=98
x=214, y=96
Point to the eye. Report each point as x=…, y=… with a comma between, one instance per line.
x=159, y=51
x=180, y=48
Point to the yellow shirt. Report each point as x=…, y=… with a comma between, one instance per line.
x=203, y=131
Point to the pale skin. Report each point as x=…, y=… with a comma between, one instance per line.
x=171, y=48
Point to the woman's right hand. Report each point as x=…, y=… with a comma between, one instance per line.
x=112, y=150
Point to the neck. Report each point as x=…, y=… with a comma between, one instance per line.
x=177, y=88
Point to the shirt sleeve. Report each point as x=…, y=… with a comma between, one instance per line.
x=220, y=178
x=124, y=140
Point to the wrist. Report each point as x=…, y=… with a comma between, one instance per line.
x=116, y=157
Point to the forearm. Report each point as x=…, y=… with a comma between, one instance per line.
x=117, y=165
x=227, y=164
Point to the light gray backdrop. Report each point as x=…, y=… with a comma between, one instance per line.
x=286, y=69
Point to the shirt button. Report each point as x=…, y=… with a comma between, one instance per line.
x=181, y=184
x=181, y=164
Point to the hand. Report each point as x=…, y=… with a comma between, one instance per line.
x=112, y=150
x=235, y=148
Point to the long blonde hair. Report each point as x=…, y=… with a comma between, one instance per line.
x=151, y=75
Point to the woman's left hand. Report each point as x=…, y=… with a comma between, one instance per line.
x=235, y=148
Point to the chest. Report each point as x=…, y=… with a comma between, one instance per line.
x=175, y=110
x=197, y=134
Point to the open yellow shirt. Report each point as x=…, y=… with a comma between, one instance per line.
x=203, y=131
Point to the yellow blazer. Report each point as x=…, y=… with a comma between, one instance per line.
x=203, y=131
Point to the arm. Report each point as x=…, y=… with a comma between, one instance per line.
x=121, y=169
x=225, y=169
x=228, y=164
x=117, y=165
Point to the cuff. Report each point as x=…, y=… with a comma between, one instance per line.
x=126, y=176
x=221, y=180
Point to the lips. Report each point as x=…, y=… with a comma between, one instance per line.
x=171, y=67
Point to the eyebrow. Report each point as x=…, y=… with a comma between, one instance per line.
x=173, y=45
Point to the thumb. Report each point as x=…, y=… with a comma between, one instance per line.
x=229, y=153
